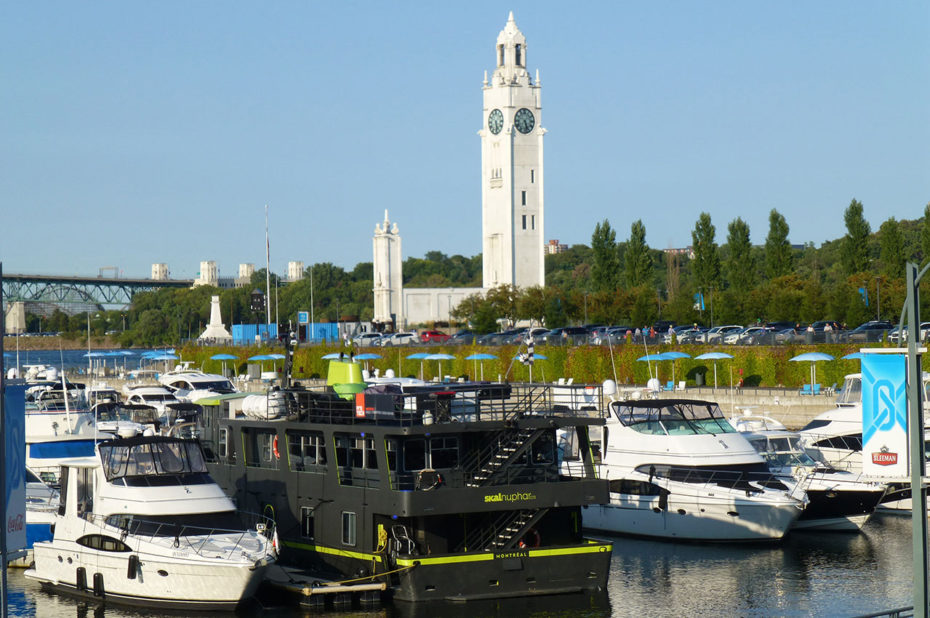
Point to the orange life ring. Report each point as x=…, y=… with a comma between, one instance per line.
x=274, y=448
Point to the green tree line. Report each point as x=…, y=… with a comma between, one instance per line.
x=609, y=282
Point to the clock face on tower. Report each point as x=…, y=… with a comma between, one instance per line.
x=524, y=120
x=496, y=121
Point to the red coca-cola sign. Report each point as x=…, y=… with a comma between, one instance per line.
x=884, y=458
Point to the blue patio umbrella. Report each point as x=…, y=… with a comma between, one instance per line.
x=439, y=358
x=276, y=356
x=367, y=356
x=812, y=357
x=260, y=357
x=852, y=356
x=714, y=356
x=331, y=356
x=480, y=357
x=673, y=356
x=224, y=358
x=650, y=358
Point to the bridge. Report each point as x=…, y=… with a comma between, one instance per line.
x=65, y=290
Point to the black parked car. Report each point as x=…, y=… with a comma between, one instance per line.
x=870, y=331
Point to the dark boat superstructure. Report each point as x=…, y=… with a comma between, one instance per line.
x=448, y=492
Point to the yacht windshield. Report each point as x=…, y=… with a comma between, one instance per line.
x=151, y=456
x=851, y=393
x=217, y=386
x=783, y=451
x=673, y=417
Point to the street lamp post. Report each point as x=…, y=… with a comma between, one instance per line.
x=586, y=307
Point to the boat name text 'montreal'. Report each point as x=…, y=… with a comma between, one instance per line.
x=517, y=496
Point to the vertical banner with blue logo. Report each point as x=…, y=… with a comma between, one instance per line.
x=14, y=418
x=884, y=415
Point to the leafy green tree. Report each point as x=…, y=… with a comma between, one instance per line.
x=855, y=256
x=779, y=256
x=605, y=269
x=925, y=234
x=637, y=258
x=531, y=304
x=740, y=263
x=892, y=249
x=555, y=316
x=706, y=263
x=645, y=306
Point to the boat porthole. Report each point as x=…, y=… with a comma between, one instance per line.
x=702, y=510
x=70, y=560
x=163, y=573
x=681, y=511
x=733, y=513
x=60, y=559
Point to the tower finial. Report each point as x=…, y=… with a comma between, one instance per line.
x=510, y=17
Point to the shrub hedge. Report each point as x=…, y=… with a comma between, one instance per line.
x=755, y=365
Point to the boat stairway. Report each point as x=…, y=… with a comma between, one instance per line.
x=506, y=532
x=509, y=446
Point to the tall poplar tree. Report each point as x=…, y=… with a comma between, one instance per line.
x=891, y=244
x=740, y=265
x=706, y=265
x=855, y=251
x=779, y=257
x=925, y=234
x=637, y=259
x=605, y=269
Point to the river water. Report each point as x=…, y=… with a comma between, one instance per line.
x=808, y=574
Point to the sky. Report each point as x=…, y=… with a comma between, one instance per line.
x=139, y=132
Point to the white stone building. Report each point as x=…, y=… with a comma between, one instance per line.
x=295, y=271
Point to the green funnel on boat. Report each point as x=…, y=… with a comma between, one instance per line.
x=346, y=378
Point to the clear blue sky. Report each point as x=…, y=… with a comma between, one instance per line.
x=140, y=132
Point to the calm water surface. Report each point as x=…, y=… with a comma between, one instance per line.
x=809, y=574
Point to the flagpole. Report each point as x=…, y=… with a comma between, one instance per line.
x=267, y=277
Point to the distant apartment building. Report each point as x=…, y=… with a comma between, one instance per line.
x=295, y=271
x=555, y=247
x=159, y=272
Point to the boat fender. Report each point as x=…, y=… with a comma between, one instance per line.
x=80, y=579
x=132, y=567
x=274, y=448
x=98, y=585
x=530, y=539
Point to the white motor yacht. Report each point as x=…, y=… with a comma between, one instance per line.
x=41, y=510
x=677, y=469
x=143, y=523
x=835, y=436
x=838, y=500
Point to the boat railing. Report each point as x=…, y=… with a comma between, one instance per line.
x=200, y=540
x=453, y=402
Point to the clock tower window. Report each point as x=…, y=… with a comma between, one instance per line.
x=524, y=222
x=517, y=57
x=523, y=198
x=500, y=55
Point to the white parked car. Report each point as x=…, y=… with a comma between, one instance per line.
x=717, y=333
x=367, y=339
x=400, y=339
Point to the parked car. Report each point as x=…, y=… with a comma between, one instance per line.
x=789, y=335
x=692, y=335
x=367, y=339
x=717, y=333
x=568, y=334
x=463, y=336
x=434, y=336
x=399, y=339
x=870, y=331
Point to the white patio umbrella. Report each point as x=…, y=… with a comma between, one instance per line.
x=440, y=358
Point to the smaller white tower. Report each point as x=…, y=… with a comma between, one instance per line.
x=209, y=274
x=388, y=277
x=295, y=271
x=215, y=330
x=245, y=275
x=159, y=272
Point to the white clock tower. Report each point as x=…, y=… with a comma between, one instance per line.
x=512, y=168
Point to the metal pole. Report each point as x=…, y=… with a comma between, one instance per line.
x=916, y=444
x=3, y=552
